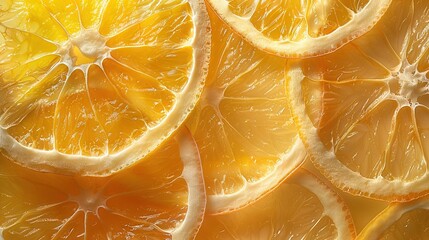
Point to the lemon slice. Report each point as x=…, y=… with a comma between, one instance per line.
x=300, y=28
x=247, y=139
x=160, y=198
x=300, y=208
x=400, y=221
x=90, y=87
x=363, y=109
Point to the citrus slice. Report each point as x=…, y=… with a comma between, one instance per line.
x=400, y=221
x=363, y=110
x=300, y=208
x=89, y=87
x=246, y=136
x=160, y=198
x=299, y=28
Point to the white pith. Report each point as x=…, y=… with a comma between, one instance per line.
x=252, y=191
x=350, y=180
x=90, y=198
x=389, y=216
x=92, y=45
x=398, y=86
x=361, y=23
x=215, y=98
x=411, y=84
x=278, y=211
x=334, y=207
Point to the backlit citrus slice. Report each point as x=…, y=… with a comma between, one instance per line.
x=90, y=86
x=246, y=136
x=300, y=208
x=160, y=198
x=400, y=221
x=300, y=28
x=363, y=110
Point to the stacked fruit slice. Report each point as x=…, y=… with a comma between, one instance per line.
x=90, y=94
x=161, y=197
x=300, y=28
x=400, y=221
x=302, y=208
x=246, y=136
x=363, y=109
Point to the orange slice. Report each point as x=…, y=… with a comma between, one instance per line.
x=363, y=110
x=160, y=198
x=299, y=28
x=246, y=136
x=86, y=85
x=400, y=221
x=301, y=208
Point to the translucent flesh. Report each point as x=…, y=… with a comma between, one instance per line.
x=291, y=211
x=368, y=100
x=293, y=20
x=49, y=103
x=411, y=225
x=147, y=200
x=242, y=124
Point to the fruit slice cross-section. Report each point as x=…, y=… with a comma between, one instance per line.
x=89, y=87
x=300, y=208
x=300, y=28
x=162, y=197
x=400, y=221
x=246, y=136
x=363, y=110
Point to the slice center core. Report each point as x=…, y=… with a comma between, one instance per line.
x=409, y=84
x=86, y=48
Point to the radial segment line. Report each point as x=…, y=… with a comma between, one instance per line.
x=244, y=138
x=145, y=75
x=103, y=13
x=27, y=213
x=417, y=133
x=124, y=98
x=127, y=27
x=39, y=57
x=63, y=225
x=136, y=220
x=371, y=108
x=54, y=18
x=95, y=113
x=30, y=33
x=32, y=87
x=79, y=14
x=371, y=59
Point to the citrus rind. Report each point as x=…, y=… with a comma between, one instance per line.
x=361, y=23
x=326, y=161
x=108, y=162
x=165, y=200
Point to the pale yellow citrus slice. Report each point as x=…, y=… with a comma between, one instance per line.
x=91, y=86
x=300, y=28
x=246, y=136
x=160, y=198
x=300, y=208
x=400, y=221
x=363, y=110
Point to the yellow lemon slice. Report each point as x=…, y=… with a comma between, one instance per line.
x=299, y=28
x=363, y=110
x=90, y=87
x=400, y=221
x=247, y=139
x=159, y=198
x=301, y=208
